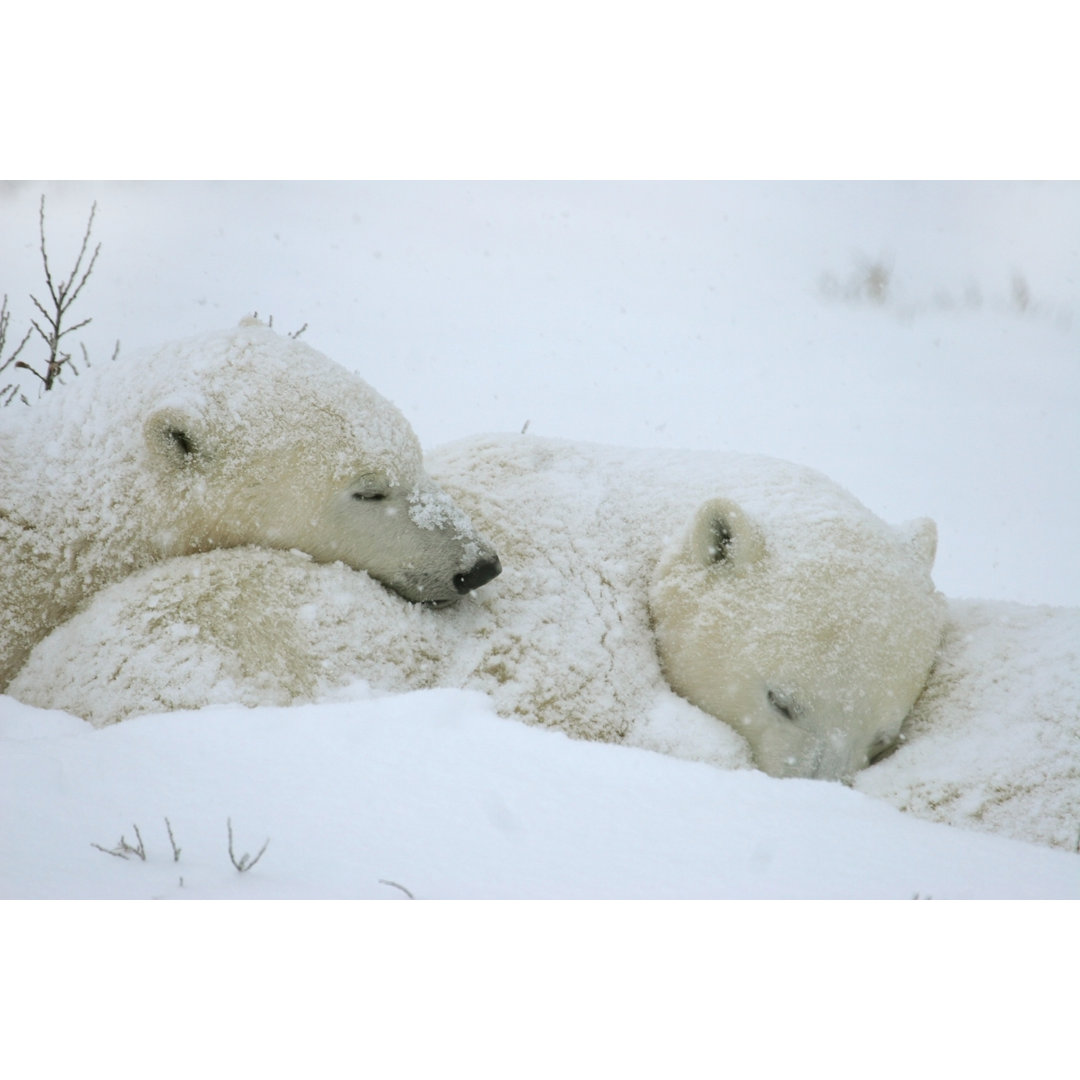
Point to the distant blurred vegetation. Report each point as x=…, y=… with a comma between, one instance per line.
x=873, y=283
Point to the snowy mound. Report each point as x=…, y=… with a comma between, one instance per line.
x=433, y=793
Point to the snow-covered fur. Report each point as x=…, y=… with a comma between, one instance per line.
x=564, y=637
x=235, y=438
x=781, y=605
x=993, y=743
x=248, y=625
x=802, y=620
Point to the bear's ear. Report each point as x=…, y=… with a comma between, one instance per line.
x=921, y=536
x=176, y=435
x=722, y=534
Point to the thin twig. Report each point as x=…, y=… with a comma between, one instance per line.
x=119, y=854
x=123, y=849
x=172, y=841
x=140, y=848
x=5, y=320
x=62, y=295
x=245, y=862
x=395, y=885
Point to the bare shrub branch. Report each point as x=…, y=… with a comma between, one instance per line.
x=5, y=320
x=245, y=862
x=111, y=851
x=54, y=313
x=172, y=842
x=123, y=849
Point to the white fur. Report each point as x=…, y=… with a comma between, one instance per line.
x=831, y=607
x=993, y=743
x=814, y=640
x=229, y=439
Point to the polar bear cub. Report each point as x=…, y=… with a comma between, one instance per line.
x=814, y=643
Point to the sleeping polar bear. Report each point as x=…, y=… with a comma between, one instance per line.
x=228, y=439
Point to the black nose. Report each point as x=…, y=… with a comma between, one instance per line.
x=479, y=575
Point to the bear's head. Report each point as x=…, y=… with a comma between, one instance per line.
x=813, y=640
x=264, y=441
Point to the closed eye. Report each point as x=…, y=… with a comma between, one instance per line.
x=782, y=704
x=369, y=496
x=883, y=746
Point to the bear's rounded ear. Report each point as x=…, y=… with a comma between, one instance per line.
x=723, y=535
x=921, y=536
x=176, y=435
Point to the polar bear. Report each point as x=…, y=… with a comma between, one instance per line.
x=236, y=438
x=812, y=634
x=759, y=590
x=622, y=569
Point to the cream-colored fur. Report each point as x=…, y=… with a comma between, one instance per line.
x=814, y=643
x=815, y=602
x=230, y=439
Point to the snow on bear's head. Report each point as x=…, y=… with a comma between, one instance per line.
x=264, y=441
x=811, y=636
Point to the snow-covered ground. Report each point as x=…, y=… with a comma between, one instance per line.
x=918, y=343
